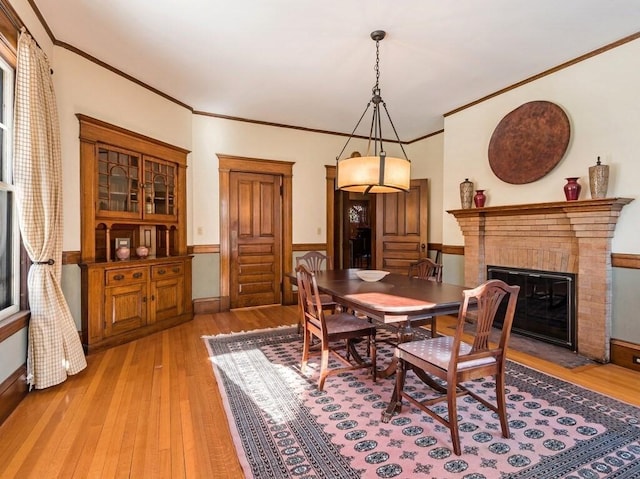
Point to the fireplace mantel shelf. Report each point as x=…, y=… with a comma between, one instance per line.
x=564, y=236
x=604, y=204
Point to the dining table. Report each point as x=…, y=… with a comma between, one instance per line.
x=396, y=299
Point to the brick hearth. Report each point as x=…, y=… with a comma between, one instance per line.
x=567, y=237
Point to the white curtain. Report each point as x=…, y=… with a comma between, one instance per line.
x=54, y=349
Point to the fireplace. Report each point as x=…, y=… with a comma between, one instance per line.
x=561, y=237
x=546, y=304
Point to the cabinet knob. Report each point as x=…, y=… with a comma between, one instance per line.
x=119, y=277
x=144, y=299
x=137, y=275
x=161, y=271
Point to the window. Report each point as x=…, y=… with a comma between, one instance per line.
x=9, y=231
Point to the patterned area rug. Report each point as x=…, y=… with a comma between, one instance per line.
x=283, y=427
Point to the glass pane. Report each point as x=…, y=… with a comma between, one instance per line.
x=118, y=184
x=6, y=232
x=160, y=198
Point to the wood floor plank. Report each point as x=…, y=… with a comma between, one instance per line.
x=104, y=460
x=151, y=408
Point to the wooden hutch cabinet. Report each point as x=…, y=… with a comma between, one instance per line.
x=133, y=192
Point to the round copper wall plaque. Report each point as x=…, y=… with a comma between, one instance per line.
x=529, y=142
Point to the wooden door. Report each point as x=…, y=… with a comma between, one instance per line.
x=401, y=227
x=255, y=239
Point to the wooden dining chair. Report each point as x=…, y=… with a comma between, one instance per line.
x=426, y=268
x=454, y=360
x=336, y=332
x=316, y=261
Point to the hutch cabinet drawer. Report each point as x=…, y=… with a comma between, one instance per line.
x=126, y=276
x=163, y=271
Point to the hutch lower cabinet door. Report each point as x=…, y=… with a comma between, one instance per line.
x=126, y=300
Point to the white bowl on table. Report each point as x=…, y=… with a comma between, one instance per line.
x=371, y=275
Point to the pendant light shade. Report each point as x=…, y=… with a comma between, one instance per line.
x=375, y=172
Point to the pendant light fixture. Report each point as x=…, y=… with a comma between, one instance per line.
x=375, y=172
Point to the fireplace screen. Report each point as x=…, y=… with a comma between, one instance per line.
x=546, y=304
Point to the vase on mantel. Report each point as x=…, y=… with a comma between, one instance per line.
x=572, y=189
x=466, y=193
x=479, y=198
x=598, y=180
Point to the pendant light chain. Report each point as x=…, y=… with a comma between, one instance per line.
x=376, y=88
x=374, y=172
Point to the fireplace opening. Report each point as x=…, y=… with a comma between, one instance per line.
x=546, y=304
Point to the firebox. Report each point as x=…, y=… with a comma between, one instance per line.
x=546, y=304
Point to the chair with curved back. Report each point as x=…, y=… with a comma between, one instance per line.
x=316, y=261
x=455, y=361
x=332, y=330
x=426, y=268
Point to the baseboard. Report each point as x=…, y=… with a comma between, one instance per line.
x=206, y=305
x=625, y=354
x=12, y=391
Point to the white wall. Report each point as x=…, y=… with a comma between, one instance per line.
x=427, y=162
x=600, y=96
x=84, y=87
x=309, y=151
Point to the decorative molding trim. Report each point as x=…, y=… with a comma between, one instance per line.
x=453, y=249
x=621, y=260
x=434, y=246
x=203, y=249
x=85, y=55
x=71, y=257
x=623, y=353
x=423, y=137
x=14, y=323
x=12, y=391
x=280, y=125
x=618, y=260
x=545, y=73
x=310, y=247
x=112, y=69
x=206, y=305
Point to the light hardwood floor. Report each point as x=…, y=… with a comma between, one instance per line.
x=151, y=408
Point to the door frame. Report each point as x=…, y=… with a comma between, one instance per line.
x=227, y=164
x=330, y=176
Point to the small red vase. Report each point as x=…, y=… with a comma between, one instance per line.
x=572, y=189
x=479, y=198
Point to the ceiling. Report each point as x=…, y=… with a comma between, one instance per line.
x=309, y=63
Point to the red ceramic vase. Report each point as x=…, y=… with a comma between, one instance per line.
x=479, y=198
x=572, y=189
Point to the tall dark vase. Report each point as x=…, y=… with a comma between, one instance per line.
x=572, y=189
x=479, y=198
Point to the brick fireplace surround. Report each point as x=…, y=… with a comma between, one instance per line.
x=567, y=237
